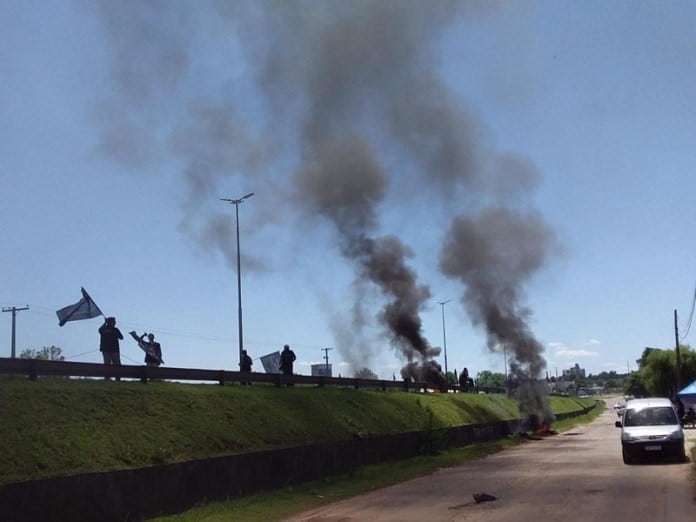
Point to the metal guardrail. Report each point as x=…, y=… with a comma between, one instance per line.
x=35, y=368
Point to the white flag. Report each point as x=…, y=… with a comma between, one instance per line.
x=271, y=362
x=85, y=308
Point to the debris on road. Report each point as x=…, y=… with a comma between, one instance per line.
x=483, y=497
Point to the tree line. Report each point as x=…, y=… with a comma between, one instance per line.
x=47, y=353
x=657, y=372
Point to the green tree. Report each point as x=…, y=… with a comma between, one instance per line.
x=613, y=382
x=47, y=353
x=633, y=385
x=644, y=356
x=489, y=379
x=688, y=365
x=658, y=371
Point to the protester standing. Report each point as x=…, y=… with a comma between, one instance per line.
x=245, y=365
x=464, y=380
x=109, y=343
x=153, y=355
x=287, y=358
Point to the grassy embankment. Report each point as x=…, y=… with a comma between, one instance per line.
x=54, y=426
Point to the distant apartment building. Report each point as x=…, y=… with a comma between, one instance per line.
x=574, y=373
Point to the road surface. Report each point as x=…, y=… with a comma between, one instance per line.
x=573, y=476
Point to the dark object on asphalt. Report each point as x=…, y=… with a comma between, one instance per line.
x=483, y=497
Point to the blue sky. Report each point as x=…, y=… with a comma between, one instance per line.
x=123, y=123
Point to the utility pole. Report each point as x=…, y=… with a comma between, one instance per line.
x=326, y=358
x=14, y=311
x=676, y=339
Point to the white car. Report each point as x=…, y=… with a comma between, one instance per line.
x=651, y=427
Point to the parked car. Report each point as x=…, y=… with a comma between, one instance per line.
x=620, y=407
x=651, y=427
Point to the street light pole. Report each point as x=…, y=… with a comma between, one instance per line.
x=505, y=363
x=236, y=203
x=444, y=333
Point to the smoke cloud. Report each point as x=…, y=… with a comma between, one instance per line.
x=494, y=254
x=349, y=98
x=345, y=183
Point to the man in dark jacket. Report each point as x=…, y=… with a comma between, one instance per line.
x=287, y=358
x=109, y=343
x=245, y=365
x=464, y=380
x=153, y=356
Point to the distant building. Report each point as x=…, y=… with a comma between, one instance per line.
x=574, y=373
x=321, y=370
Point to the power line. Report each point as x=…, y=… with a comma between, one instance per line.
x=691, y=316
x=79, y=354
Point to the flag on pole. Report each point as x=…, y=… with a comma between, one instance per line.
x=271, y=362
x=85, y=308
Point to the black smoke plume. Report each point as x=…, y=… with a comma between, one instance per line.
x=494, y=254
x=350, y=98
x=345, y=183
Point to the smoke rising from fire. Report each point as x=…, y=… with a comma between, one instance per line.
x=494, y=254
x=340, y=108
x=345, y=183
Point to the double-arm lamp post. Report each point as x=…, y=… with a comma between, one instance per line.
x=236, y=203
x=444, y=334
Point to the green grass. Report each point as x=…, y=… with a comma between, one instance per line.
x=280, y=504
x=56, y=427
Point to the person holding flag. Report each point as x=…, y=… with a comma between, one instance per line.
x=109, y=335
x=153, y=349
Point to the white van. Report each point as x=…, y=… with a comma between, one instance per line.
x=651, y=427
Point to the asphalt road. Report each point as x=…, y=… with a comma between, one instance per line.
x=572, y=476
